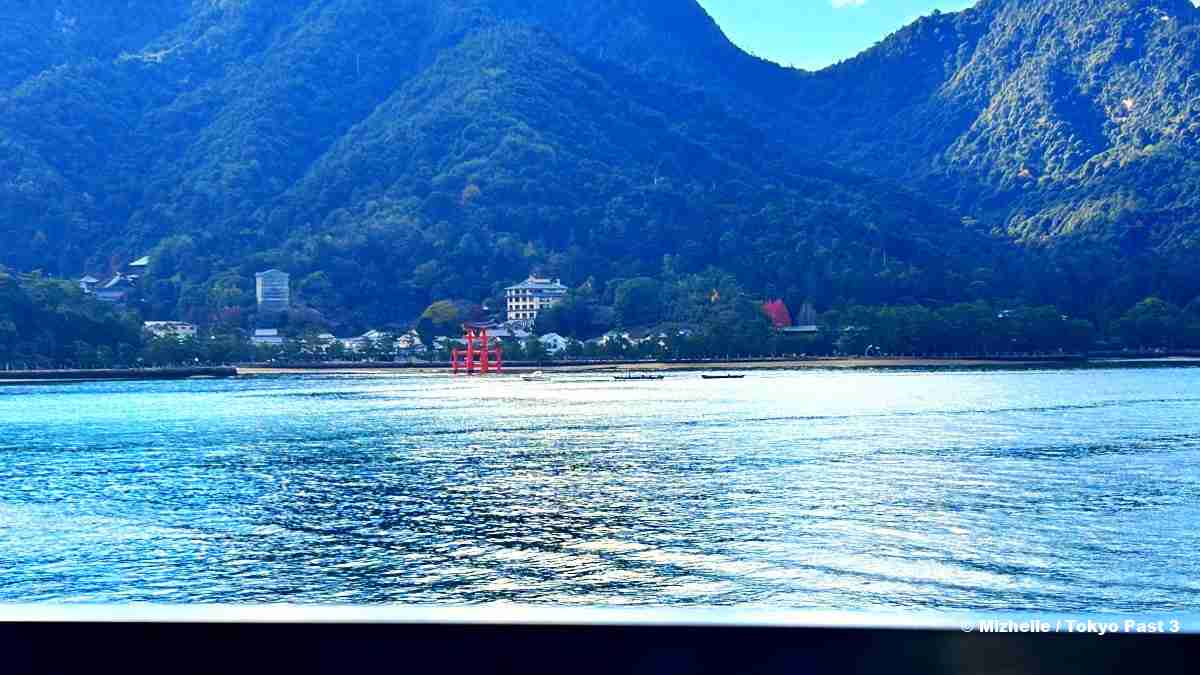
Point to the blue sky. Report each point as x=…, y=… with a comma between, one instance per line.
x=815, y=33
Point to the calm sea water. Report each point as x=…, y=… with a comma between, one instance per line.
x=1047, y=490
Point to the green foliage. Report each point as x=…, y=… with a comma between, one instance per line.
x=962, y=329
x=459, y=145
x=453, y=150
x=579, y=315
x=534, y=350
x=638, y=302
x=47, y=323
x=1067, y=125
x=441, y=319
x=1153, y=323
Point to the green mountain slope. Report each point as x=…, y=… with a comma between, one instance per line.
x=508, y=153
x=41, y=35
x=389, y=154
x=1036, y=116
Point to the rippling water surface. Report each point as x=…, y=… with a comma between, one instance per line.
x=1050, y=490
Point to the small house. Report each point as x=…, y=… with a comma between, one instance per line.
x=116, y=289
x=554, y=343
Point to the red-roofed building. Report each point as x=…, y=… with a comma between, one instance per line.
x=779, y=314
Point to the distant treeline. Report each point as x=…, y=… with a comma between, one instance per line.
x=48, y=323
x=724, y=320
x=51, y=323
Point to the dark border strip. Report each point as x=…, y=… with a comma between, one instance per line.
x=530, y=642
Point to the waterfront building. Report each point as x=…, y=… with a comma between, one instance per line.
x=777, y=312
x=274, y=291
x=170, y=329
x=512, y=330
x=410, y=341
x=807, y=316
x=530, y=297
x=805, y=322
x=554, y=343
x=614, y=336
x=268, y=337
x=355, y=344
x=661, y=340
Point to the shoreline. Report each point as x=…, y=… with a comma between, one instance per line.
x=17, y=378
x=732, y=366
x=712, y=366
x=13, y=377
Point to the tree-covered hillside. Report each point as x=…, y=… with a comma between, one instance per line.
x=1070, y=126
x=389, y=154
x=38, y=35
x=45, y=322
x=392, y=154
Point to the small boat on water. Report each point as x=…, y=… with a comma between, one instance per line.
x=538, y=376
x=637, y=377
x=723, y=377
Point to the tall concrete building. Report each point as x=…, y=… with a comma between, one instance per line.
x=528, y=298
x=274, y=290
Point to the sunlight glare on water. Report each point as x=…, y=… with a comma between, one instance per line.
x=1051, y=490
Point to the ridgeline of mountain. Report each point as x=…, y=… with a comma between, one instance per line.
x=1068, y=124
x=36, y=36
x=390, y=154
x=1069, y=73
x=668, y=40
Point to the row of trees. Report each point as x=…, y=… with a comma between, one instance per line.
x=51, y=323
x=712, y=302
x=982, y=328
x=717, y=308
x=46, y=322
x=976, y=328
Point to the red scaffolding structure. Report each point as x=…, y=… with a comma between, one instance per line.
x=481, y=356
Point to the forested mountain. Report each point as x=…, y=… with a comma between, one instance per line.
x=389, y=154
x=37, y=36
x=1071, y=126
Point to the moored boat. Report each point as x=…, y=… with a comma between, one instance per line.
x=637, y=377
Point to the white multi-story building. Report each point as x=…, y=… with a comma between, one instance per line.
x=527, y=299
x=274, y=291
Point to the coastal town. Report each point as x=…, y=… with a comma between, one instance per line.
x=121, y=321
x=514, y=326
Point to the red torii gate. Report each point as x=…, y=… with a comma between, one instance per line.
x=480, y=354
